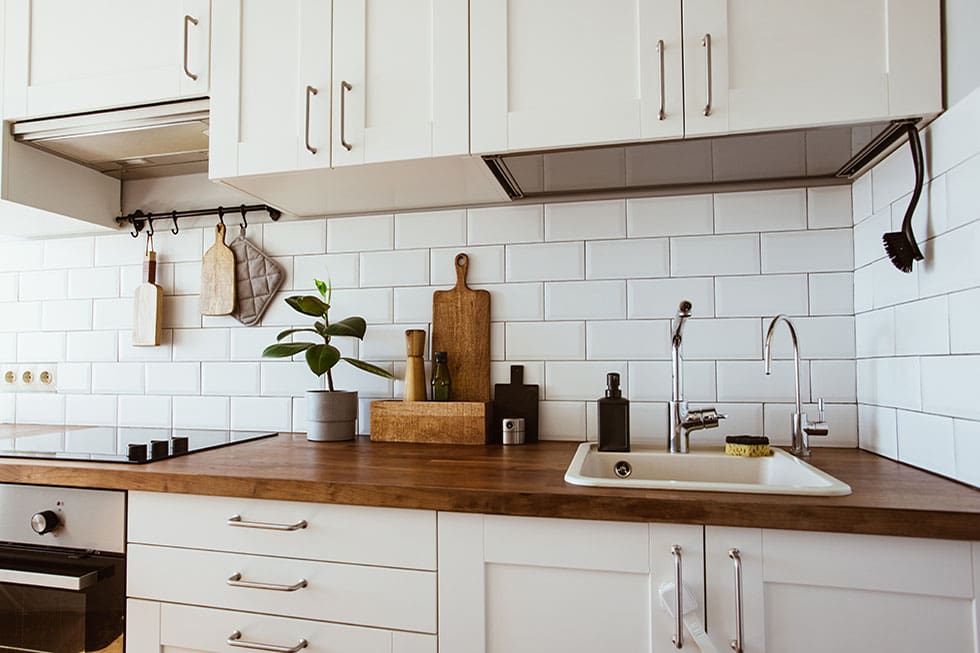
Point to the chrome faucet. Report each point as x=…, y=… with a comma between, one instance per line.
x=802, y=428
x=682, y=420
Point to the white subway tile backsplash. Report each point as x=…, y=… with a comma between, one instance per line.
x=650, y=381
x=120, y=249
x=415, y=304
x=230, y=379
x=766, y=295
x=628, y=340
x=952, y=263
x=585, y=381
x=113, y=313
x=486, y=265
x=546, y=262
x=66, y=315
x=659, y=298
x=201, y=412
x=91, y=410
x=545, y=341
x=926, y=441
x=149, y=411
x=69, y=253
x=348, y=377
x=183, y=311
x=891, y=179
x=74, y=377
x=514, y=302
x=373, y=304
x=185, y=246
x=360, y=234
x=819, y=337
x=247, y=344
x=714, y=255
x=18, y=256
x=841, y=418
x=863, y=289
x=966, y=440
x=878, y=430
x=963, y=193
x=964, y=316
x=867, y=238
x=294, y=237
x=200, y=344
x=90, y=283
x=9, y=282
x=91, y=346
x=430, y=229
x=43, y=285
x=717, y=339
x=561, y=420
x=339, y=269
x=922, y=327
x=585, y=220
x=828, y=207
x=8, y=346
x=173, y=379
x=833, y=380
x=127, y=352
x=505, y=225
x=396, y=268
x=825, y=250
x=533, y=373
x=769, y=210
x=40, y=408
x=949, y=386
x=647, y=423
x=386, y=342
x=892, y=382
x=684, y=215
x=585, y=300
x=35, y=347
x=875, y=333
x=747, y=381
x=118, y=378
x=626, y=259
x=261, y=413
x=832, y=293
x=861, y=200
x=289, y=378
x=20, y=317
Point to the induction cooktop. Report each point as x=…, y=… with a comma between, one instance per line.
x=129, y=445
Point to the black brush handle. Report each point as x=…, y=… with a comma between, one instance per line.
x=917, y=161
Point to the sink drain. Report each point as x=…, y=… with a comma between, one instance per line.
x=623, y=469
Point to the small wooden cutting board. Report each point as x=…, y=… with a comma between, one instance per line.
x=148, y=306
x=218, y=277
x=515, y=399
x=461, y=328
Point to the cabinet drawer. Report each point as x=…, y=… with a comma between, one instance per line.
x=390, y=537
x=205, y=629
x=353, y=594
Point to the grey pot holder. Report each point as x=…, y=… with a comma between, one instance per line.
x=257, y=278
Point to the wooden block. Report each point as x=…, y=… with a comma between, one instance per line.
x=443, y=422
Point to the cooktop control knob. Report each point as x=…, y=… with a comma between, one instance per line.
x=45, y=521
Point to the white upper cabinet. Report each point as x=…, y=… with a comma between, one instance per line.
x=551, y=73
x=400, y=80
x=66, y=57
x=752, y=66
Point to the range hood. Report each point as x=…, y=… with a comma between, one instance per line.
x=134, y=143
x=828, y=154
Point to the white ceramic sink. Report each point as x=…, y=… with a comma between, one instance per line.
x=708, y=470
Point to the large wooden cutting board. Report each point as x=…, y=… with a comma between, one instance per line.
x=461, y=328
x=218, y=277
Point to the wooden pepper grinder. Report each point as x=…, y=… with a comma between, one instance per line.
x=415, y=367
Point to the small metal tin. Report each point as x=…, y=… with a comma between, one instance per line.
x=513, y=430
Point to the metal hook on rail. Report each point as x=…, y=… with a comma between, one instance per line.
x=149, y=225
x=221, y=215
x=244, y=220
x=176, y=229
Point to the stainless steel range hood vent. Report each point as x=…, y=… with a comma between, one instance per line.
x=828, y=154
x=149, y=141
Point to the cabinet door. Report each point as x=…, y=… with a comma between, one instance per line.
x=400, y=77
x=548, y=73
x=818, y=592
x=270, y=105
x=65, y=57
x=752, y=66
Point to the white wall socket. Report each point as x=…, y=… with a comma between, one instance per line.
x=34, y=377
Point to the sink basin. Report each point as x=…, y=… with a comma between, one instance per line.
x=707, y=470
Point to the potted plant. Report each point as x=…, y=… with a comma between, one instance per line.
x=330, y=413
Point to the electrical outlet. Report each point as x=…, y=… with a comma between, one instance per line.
x=37, y=377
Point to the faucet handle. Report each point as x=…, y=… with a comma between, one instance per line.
x=819, y=427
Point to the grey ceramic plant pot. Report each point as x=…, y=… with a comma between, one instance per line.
x=330, y=416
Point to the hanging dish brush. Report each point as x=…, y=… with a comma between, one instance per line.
x=900, y=245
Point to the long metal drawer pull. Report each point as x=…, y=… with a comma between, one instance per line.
x=344, y=87
x=706, y=44
x=235, y=639
x=678, y=638
x=188, y=21
x=236, y=520
x=54, y=581
x=736, y=643
x=660, y=48
x=235, y=580
x=309, y=91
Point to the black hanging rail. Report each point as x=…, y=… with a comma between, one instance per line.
x=138, y=219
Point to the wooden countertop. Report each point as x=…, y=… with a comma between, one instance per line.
x=888, y=498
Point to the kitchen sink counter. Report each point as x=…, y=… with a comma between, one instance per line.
x=888, y=498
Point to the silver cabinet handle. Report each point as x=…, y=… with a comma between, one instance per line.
x=736, y=643
x=678, y=638
x=706, y=44
x=344, y=87
x=236, y=520
x=660, y=49
x=188, y=21
x=235, y=580
x=51, y=580
x=235, y=639
x=309, y=91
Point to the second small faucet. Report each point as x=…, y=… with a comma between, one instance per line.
x=683, y=420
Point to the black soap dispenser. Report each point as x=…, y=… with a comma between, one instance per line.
x=614, y=417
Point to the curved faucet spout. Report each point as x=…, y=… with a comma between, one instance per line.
x=682, y=420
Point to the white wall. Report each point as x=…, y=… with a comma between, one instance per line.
x=577, y=290
x=918, y=340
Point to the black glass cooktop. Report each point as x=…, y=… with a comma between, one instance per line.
x=114, y=444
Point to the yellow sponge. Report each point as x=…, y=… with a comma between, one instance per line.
x=747, y=445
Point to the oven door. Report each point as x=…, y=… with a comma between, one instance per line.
x=56, y=601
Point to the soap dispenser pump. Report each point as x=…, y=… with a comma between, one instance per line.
x=614, y=417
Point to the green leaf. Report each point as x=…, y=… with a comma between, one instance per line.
x=308, y=305
x=286, y=349
x=322, y=287
x=321, y=358
x=368, y=367
x=351, y=326
x=289, y=332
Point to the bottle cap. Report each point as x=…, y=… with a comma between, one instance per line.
x=612, y=385
x=440, y=357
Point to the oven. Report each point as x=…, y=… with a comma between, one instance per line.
x=62, y=569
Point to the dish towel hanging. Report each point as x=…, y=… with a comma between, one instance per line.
x=257, y=278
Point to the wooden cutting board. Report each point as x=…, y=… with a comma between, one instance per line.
x=461, y=328
x=218, y=277
x=148, y=306
x=515, y=399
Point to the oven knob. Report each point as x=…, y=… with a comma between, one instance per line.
x=44, y=522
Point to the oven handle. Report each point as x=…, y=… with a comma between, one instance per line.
x=54, y=581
